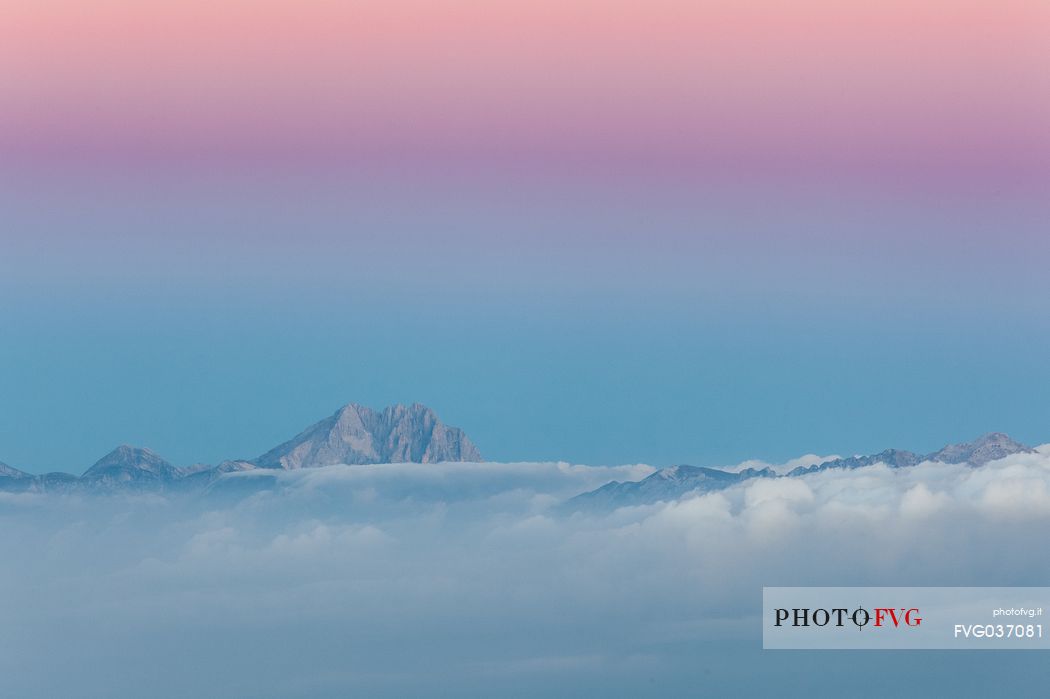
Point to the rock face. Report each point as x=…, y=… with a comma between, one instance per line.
x=130, y=466
x=989, y=447
x=894, y=458
x=356, y=434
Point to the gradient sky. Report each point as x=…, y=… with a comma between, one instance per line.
x=602, y=232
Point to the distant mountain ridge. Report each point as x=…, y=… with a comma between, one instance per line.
x=11, y=479
x=986, y=448
x=666, y=484
x=357, y=435
x=354, y=435
x=10, y=472
x=676, y=481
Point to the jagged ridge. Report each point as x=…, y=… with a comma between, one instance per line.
x=355, y=435
x=674, y=482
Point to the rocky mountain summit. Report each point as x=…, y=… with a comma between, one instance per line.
x=130, y=466
x=356, y=434
x=989, y=447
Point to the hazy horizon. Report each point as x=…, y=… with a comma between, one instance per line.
x=592, y=232
x=804, y=458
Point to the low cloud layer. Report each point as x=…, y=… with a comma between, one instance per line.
x=467, y=579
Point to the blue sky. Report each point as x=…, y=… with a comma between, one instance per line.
x=579, y=235
x=211, y=319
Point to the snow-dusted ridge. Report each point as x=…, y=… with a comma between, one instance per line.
x=676, y=481
x=358, y=442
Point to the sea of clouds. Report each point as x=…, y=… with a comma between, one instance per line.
x=474, y=580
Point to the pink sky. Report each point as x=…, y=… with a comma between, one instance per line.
x=807, y=84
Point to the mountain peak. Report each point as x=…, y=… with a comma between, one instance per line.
x=127, y=451
x=357, y=434
x=988, y=447
x=128, y=464
x=352, y=408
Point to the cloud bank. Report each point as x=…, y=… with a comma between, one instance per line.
x=467, y=580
